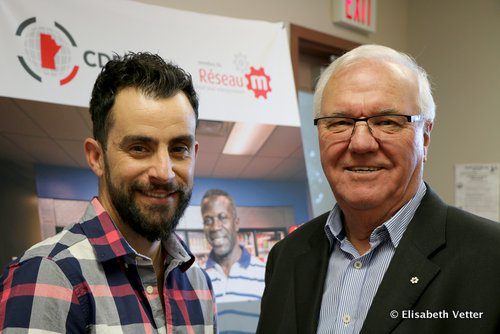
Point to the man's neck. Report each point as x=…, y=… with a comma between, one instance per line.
x=227, y=261
x=358, y=229
x=359, y=222
x=359, y=225
x=141, y=245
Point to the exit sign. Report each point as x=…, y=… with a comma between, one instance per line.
x=358, y=14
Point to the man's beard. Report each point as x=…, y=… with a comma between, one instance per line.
x=154, y=222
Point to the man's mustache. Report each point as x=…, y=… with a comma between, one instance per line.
x=169, y=187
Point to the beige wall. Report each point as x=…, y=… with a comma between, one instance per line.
x=456, y=41
x=314, y=14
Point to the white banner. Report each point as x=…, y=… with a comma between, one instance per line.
x=53, y=50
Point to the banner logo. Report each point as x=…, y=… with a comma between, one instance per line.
x=214, y=75
x=258, y=82
x=47, y=51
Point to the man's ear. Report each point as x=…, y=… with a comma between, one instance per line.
x=237, y=224
x=95, y=156
x=195, y=150
x=427, y=137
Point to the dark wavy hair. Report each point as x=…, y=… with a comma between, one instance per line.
x=148, y=73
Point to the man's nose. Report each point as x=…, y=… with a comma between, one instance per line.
x=162, y=168
x=362, y=139
x=216, y=225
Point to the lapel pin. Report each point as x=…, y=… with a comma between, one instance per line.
x=414, y=280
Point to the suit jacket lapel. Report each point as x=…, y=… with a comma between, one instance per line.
x=309, y=278
x=410, y=271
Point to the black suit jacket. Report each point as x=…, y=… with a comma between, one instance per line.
x=454, y=254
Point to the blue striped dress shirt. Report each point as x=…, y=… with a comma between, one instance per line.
x=352, y=280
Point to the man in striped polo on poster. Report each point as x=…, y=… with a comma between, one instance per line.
x=236, y=274
x=122, y=269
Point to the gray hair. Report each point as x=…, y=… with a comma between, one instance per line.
x=425, y=101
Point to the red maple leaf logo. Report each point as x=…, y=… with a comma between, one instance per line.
x=258, y=82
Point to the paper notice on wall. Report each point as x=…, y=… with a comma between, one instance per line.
x=477, y=188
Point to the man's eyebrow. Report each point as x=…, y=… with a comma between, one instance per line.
x=388, y=112
x=336, y=113
x=137, y=139
x=127, y=140
x=189, y=139
x=341, y=113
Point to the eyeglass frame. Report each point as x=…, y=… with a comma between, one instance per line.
x=409, y=119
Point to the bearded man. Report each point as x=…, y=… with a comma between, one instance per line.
x=122, y=268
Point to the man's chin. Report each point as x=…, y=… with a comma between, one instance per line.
x=156, y=226
x=221, y=251
x=156, y=233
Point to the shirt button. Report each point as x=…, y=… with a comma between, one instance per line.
x=346, y=319
x=149, y=289
x=358, y=264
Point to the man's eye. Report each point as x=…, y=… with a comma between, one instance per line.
x=386, y=122
x=181, y=149
x=138, y=149
x=338, y=124
x=341, y=122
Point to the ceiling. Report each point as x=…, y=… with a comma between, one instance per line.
x=52, y=134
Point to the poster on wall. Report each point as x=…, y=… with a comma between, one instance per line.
x=55, y=49
x=477, y=188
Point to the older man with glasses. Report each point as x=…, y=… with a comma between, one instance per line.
x=390, y=256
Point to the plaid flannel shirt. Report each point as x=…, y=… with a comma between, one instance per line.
x=89, y=279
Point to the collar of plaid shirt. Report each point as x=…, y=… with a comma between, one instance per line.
x=109, y=243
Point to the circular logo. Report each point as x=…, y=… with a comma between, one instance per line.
x=47, y=51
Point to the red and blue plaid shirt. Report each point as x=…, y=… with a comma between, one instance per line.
x=89, y=279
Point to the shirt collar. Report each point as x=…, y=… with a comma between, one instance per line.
x=109, y=243
x=178, y=250
x=395, y=226
x=243, y=261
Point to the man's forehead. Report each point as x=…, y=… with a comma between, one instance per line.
x=135, y=110
x=136, y=95
x=385, y=67
x=379, y=85
x=216, y=201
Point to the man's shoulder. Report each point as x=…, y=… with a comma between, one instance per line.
x=254, y=270
x=256, y=262
x=472, y=227
x=464, y=236
x=69, y=243
x=55, y=262
x=52, y=264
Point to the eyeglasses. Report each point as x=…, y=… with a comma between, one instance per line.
x=380, y=126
